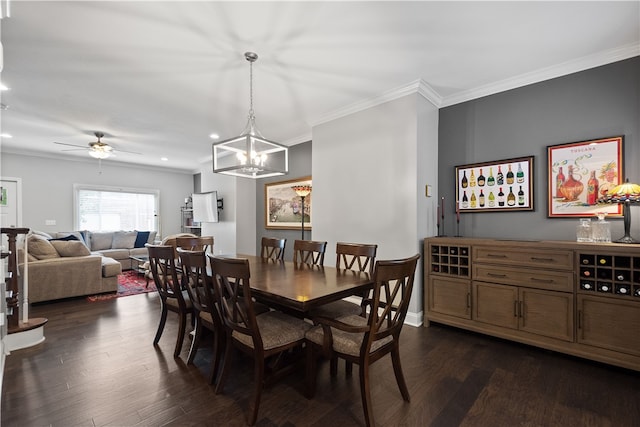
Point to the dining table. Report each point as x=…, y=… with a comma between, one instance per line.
x=301, y=287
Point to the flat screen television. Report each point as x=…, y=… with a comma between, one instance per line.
x=205, y=207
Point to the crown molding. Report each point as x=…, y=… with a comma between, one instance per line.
x=548, y=73
x=418, y=86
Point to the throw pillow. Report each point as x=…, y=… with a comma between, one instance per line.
x=42, y=233
x=124, y=239
x=76, y=234
x=152, y=237
x=41, y=248
x=101, y=241
x=141, y=239
x=70, y=248
x=65, y=239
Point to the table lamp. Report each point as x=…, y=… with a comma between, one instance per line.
x=624, y=194
x=302, y=191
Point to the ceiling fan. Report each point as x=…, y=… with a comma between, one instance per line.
x=97, y=149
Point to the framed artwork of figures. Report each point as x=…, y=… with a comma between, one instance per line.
x=580, y=173
x=497, y=186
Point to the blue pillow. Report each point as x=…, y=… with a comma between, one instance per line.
x=141, y=239
x=66, y=238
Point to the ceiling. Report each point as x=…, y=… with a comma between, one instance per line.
x=158, y=77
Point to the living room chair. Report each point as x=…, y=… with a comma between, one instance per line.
x=199, y=285
x=309, y=252
x=162, y=265
x=262, y=337
x=273, y=249
x=364, y=340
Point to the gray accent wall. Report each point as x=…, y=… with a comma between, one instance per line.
x=595, y=103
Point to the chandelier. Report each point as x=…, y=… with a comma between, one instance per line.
x=250, y=155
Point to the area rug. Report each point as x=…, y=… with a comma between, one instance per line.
x=129, y=283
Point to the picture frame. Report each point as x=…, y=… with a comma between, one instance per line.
x=3, y=196
x=579, y=173
x=283, y=205
x=507, y=186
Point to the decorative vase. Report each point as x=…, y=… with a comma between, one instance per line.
x=572, y=188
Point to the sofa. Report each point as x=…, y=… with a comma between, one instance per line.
x=119, y=245
x=66, y=268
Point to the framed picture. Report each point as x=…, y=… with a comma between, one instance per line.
x=3, y=196
x=580, y=173
x=501, y=185
x=283, y=207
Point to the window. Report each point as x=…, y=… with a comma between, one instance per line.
x=109, y=208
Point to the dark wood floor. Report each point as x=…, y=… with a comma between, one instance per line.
x=98, y=367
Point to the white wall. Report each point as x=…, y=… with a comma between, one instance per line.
x=369, y=173
x=47, y=187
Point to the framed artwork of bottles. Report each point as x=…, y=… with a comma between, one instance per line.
x=580, y=173
x=502, y=185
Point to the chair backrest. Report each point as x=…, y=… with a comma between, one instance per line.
x=195, y=243
x=233, y=294
x=390, y=301
x=272, y=248
x=171, y=240
x=356, y=256
x=195, y=278
x=162, y=264
x=309, y=252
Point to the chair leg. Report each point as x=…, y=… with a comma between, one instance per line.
x=259, y=384
x=366, y=394
x=226, y=365
x=195, y=343
x=348, y=368
x=218, y=354
x=182, y=327
x=163, y=320
x=311, y=371
x=397, y=369
x=333, y=366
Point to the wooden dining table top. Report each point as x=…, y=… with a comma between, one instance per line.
x=302, y=287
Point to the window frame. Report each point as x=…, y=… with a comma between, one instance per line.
x=113, y=189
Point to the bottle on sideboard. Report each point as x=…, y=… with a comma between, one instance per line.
x=481, y=179
x=511, y=198
x=509, y=176
x=500, y=198
x=491, y=181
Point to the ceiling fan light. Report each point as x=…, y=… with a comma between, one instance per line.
x=100, y=154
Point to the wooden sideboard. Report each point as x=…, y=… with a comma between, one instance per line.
x=581, y=299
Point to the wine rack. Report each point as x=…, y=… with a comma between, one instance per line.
x=450, y=260
x=609, y=274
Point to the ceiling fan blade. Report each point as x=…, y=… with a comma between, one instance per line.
x=124, y=151
x=70, y=145
x=75, y=149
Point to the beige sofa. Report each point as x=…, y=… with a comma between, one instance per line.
x=63, y=269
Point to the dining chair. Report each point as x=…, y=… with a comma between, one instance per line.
x=364, y=340
x=309, y=252
x=162, y=264
x=262, y=337
x=272, y=248
x=169, y=240
x=195, y=243
x=199, y=285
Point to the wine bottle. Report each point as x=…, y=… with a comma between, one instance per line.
x=520, y=174
x=481, y=201
x=509, y=176
x=481, y=179
x=559, y=181
x=465, y=183
x=473, y=199
x=491, y=181
x=492, y=199
x=511, y=198
x=465, y=200
x=592, y=189
x=472, y=179
x=500, y=176
x=500, y=198
x=521, y=197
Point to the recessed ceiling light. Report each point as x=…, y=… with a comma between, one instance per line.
x=214, y=136
x=164, y=159
x=5, y=135
x=3, y=87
